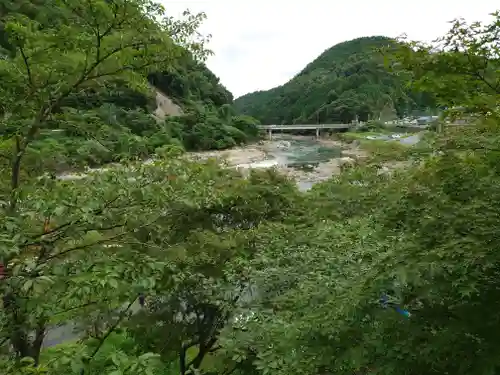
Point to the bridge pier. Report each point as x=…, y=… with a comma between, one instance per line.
x=270, y=134
x=317, y=133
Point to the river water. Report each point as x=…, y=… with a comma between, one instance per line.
x=301, y=155
x=313, y=160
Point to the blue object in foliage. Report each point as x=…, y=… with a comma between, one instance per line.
x=402, y=312
x=384, y=301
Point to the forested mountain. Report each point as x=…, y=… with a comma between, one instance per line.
x=118, y=115
x=348, y=80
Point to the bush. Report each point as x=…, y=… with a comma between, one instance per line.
x=381, y=151
x=370, y=126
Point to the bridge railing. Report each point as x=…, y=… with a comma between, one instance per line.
x=305, y=126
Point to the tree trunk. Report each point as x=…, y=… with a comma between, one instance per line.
x=19, y=335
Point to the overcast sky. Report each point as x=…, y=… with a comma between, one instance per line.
x=260, y=44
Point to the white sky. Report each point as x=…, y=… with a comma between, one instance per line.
x=260, y=44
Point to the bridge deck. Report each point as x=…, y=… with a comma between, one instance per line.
x=305, y=126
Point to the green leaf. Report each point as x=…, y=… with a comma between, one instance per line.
x=28, y=284
x=76, y=366
x=113, y=283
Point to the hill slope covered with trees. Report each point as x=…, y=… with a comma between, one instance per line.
x=348, y=80
x=117, y=117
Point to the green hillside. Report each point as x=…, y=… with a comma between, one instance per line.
x=347, y=80
x=109, y=118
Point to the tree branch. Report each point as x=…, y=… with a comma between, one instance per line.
x=229, y=372
x=182, y=355
x=81, y=247
x=108, y=333
x=97, y=211
x=125, y=68
x=16, y=169
x=476, y=73
x=78, y=307
x=203, y=350
x=27, y=65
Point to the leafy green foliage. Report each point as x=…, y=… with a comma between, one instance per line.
x=346, y=82
x=95, y=94
x=77, y=250
x=426, y=236
x=184, y=324
x=460, y=69
x=243, y=276
x=202, y=128
x=190, y=80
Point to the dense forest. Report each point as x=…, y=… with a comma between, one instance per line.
x=118, y=119
x=348, y=81
x=182, y=267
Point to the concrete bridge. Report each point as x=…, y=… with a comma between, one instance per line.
x=316, y=127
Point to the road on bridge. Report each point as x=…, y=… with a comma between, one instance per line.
x=316, y=127
x=305, y=126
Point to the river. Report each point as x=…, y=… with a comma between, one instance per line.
x=302, y=158
x=308, y=160
x=305, y=159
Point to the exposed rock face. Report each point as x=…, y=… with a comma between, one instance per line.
x=165, y=106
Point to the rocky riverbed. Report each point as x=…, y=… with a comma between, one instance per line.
x=304, y=159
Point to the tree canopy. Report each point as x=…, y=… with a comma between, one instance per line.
x=70, y=62
x=460, y=68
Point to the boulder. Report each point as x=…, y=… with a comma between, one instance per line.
x=283, y=145
x=346, y=162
